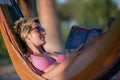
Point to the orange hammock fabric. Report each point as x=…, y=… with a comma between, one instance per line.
x=15, y=54
x=107, y=55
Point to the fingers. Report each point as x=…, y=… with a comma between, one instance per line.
x=79, y=48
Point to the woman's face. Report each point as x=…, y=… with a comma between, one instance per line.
x=37, y=34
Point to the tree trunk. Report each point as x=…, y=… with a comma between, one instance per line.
x=28, y=8
x=48, y=18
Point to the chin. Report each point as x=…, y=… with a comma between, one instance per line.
x=41, y=43
x=44, y=43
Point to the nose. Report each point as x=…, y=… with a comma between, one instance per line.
x=43, y=32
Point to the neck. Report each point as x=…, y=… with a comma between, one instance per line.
x=33, y=49
x=40, y=49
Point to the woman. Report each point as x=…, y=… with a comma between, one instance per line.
x=54, y=65
x=32, y=33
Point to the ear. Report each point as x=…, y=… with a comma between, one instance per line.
x=28, y=37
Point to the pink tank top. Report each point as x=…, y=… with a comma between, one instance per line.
x=43, y=63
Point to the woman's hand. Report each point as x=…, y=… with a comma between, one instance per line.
x=74, y=53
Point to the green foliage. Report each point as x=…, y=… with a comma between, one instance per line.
x=65, y=33
x=88, y=12
x=4, y=57
x=2, y=46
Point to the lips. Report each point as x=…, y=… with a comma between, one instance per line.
x=42, y=38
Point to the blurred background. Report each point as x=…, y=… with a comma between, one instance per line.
x=57, y=17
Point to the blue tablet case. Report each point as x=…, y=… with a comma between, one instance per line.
x=79, y=35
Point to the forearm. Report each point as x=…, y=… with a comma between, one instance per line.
x=51, y=67
x=60, y=69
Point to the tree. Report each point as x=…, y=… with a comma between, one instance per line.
x=89, y=12
x=28, y=7
x=49, y=20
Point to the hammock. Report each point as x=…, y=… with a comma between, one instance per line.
x=104, y=65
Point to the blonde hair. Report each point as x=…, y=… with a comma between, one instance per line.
x=23, y=26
